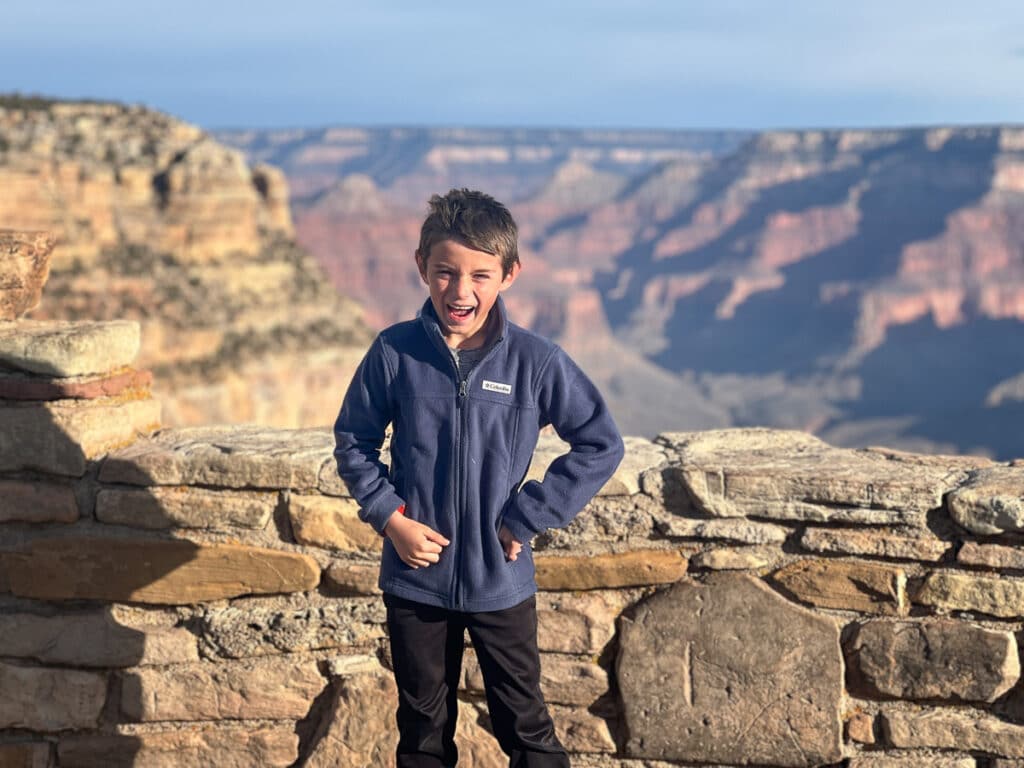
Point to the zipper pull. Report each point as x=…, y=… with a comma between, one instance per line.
x=463, y=388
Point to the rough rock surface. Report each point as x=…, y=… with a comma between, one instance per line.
x=37, y=502
x=223, y=456
x=60, y=437
x=947, y=591
x=162, y=572
x=641, y=455
x=78, y=705
x=21, y=386
x=961, y=730
x=846, y=585
x=991, y=555
x=331, y=523
x=165, y=507
x=24, y=267
x=56, y=348
x=27, y=754
x=786, y=475
x=222, y=747
x=346, y=578
x=940, y=660
x=272, y=690
x=743, y=676
x=875, y=544
x=991, y=501
x=578, y=623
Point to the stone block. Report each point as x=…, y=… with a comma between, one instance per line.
x=61, y=348
x=963, y=730
x=581, y=731
x=563, y=679
x=26, y=754
x=942, y=660
x=577, y=623
x=788, y=475
x=991, y=595
x=742, y=676
x=737, y=558
x=24, y=267
x=18, y=386
x=860, y=728
x=845, y=585
x=990, y=502
x=734, y=529
x=191, y=748
x=609, y=571
x=250, y=628
x=353, y=578
x=59, y=437
x=330, y=522
x=885, y=544
x=32, y=501
x=48, y=700
x=273, y=690
x=912, y=761
x=164, y=507
x=165, y=572
x=356, y=731
x=92, y=639
x=641, y=455
x=991, y=555
x=241, y=456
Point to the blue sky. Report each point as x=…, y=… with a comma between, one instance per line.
x=571, y=63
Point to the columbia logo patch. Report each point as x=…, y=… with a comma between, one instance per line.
x=497, y=386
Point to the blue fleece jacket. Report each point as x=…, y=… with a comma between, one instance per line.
x=460, y=451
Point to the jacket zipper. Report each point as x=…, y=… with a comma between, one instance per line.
x=460, y=506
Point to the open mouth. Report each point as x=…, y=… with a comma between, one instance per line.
x=460, y=312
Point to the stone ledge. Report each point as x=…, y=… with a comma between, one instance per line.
x=845, y=585
x=628, y=569
x=59, y=348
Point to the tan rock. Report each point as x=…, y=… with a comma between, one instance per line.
x=42, y=699
x=92, y=639
x=730, y=672
x=28, y=754
x=19, y=386
x=995, y=596
x=953, y=729
x=742, y=531
x=931, y=660
x=641, y=455
x=272, y=690
x=164, y=572
x=845, y=585
x=165, y=507
x=253, y=628
x=190, y=748
x=60, y=348
x=991, y=501
x=37, y=502
x=477, y=746
x=874, y=544
x=24, y=267
x=860, y=728
x=59, y=437
x=990, y=555
x=224, y=456
x=353, y=578
x=737, y=559
x=581, y=731
x=788, y=475
x=609, y=571
x=868, y=760
x=577, y=623
x=564, y=679
x=331, y=523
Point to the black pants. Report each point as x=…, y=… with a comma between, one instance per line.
x=426, y=650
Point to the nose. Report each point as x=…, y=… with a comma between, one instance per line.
x=464, y=286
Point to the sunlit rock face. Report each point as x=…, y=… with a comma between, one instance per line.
x=155, y=221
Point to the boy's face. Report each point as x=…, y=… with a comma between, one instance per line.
x=464, y=284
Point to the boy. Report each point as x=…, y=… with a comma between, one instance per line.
x=466, y=393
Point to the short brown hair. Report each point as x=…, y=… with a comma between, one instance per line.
x=474, y=219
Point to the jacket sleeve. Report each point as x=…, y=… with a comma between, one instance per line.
x=570, y=402
x=359, y=434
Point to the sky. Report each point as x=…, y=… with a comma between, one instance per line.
x=677, y=64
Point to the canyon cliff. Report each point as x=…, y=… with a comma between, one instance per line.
x=867, y=286
x=155, y=221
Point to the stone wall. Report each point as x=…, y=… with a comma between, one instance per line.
x=207, y=596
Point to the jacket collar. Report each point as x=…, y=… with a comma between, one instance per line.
x=432, y=323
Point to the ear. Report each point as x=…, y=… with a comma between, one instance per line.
x=421, y=265
x=506, y=282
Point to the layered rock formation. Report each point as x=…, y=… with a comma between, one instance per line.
x=863, y=285
x=207, y=596
x=156, y=222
